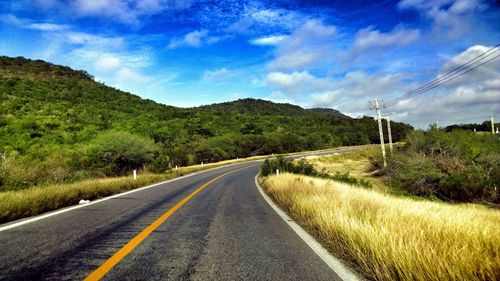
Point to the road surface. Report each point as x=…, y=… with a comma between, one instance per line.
x=226, y=231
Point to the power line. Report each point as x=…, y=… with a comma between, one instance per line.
x=453, y=72
x=443, y=82
x=450, y=75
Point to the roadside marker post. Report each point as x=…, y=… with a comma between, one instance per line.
x=277, y=172
x=135, y=174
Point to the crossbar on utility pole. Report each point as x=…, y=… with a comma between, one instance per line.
x=380, y=130
x=389, y=134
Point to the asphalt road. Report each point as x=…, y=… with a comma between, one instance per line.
x=225, y=232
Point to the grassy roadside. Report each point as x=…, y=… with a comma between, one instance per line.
x=355, y=163
x=39, y=199
x=393, y=238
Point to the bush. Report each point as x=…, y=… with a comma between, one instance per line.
x=116, y=153
x=303, y=167
x=160, y=164
x=453, y=166
x=350, y=180
x=269, y=167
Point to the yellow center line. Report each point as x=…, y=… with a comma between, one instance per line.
x=125, y=250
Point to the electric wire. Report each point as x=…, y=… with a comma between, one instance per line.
x=450, y=75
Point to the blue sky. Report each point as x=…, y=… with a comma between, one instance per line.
x=337, y=54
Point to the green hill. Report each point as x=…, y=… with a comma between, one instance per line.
x=58, y=125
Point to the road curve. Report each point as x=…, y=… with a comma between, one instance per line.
x=225, y=232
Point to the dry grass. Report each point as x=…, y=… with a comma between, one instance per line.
x=394, y=238
x=356, y=163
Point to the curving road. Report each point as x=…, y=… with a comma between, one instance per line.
x=226, y=231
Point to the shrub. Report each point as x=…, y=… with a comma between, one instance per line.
x=269, y=167
x=303, y=167
x=116, y=153
x=346, y=178
x=160, y=164
x=454, y=166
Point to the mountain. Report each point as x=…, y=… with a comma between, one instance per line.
x=264, y=107
x=58, y=124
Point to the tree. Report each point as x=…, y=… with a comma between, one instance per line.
x=116, y=153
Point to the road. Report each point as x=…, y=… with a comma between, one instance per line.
x=226, y=231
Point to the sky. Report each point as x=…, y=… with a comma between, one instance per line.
x=316, y=53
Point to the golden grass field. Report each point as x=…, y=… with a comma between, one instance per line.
x=393, y=238
x=356, y=163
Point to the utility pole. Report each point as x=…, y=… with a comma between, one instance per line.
x=389, y=134
x=492, y=125
x=381, y=132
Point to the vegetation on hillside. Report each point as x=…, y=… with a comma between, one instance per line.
x=393, y=238
x=459, y=166
x=58, y=125
x=483, y=127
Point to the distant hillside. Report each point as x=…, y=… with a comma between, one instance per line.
x=264, y=107
x=250, y=105
x=58, y=124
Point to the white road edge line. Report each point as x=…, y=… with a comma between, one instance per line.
x=338, y=267
x=10, y=225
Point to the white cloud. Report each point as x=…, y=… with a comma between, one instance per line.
x=357, y=85
x=490, y=69
x=345, y=92
x=107, y=63
x=47, y=26
x=217, y=75
x=195, y=39
x=118, y=10
x=271, y=40
x=369, y=37
x=450, y=18
x=29, y=24
x=326, y=98
x=255, y=17
x=257, y=82
x=126, y=11
x=130, y=12
x=295, y=60
x=130, y=76
x=305, y=46
x=11, y=19
x=81, y=38
x=369, y=43
x=290, y=81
